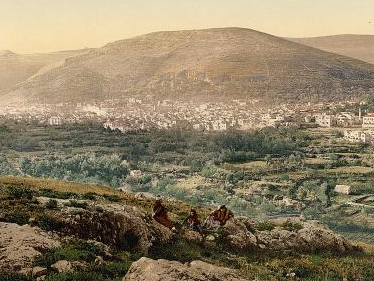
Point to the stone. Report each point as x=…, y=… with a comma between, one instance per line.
x=19, y=245
x=147, y=269
x=192, y=236
x=313, y=236
x=62, y=266
x=38, y=271
x=99, y=260
x=117, y=224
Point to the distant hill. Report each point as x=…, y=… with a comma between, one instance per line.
x=16, y=68
x=355, y=46
x=206, y=64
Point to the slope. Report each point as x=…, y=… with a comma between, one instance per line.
x=360, y=47
x=207, y=64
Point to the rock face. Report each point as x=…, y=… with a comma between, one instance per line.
x=313, y=236
x=19, y=245
x=162, y=270
x=125, y=227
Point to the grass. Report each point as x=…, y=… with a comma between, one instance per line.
x=273, y=266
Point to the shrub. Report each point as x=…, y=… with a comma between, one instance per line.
x=111, y=270
x=49, y=223
x=13, y=277
x=51, y=204
x=15, y=217
x=90, y=196
x=50, y=193
x=112, y=198
x=292, y=226
x=73, y=250
x=16, y=192
x=266, y=225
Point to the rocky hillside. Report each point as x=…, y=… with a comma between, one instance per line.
x=52, y=230
x=17, y=68
x=202, y=65
x=360, y=47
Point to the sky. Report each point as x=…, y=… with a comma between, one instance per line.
x=29, y=26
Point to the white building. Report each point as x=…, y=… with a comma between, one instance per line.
x=343, y=189
x=368, y=121
x=359, y=136
x=347, y=119
x=55, y=121
x=325, y=120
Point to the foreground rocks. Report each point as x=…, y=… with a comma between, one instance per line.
x=313, y=236
x=147, y=269
x=124, y=227
x=19, y=245
x=130, y=228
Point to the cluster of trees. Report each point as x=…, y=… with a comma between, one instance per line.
x=89, y=167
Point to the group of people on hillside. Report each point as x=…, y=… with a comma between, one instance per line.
x=215, y=220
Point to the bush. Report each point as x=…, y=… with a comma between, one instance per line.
x=292, y=226
x=265, y=226
x=112, y=198
x=73, y=250
x=15, y=217
x=13, y=277
x=111, y=270
x=16, y=192
x=49, y=223
x=51, y=204
x=90, y=196
x=50, y=193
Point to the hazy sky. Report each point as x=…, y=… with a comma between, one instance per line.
x=47, y=25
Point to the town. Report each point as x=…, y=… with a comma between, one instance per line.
x=134, y=114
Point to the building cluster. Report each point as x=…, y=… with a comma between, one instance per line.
x=134, y=114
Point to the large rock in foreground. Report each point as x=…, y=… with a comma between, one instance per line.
x=312, y=236
x=147, y=269
x=124, y=227
x=19, y=245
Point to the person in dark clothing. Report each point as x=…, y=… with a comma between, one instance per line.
x=193, y=221
x=160, y=214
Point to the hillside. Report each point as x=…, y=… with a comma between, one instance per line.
x=17, y=68
x=75, y=232
x=360, y=47
x=201, y=64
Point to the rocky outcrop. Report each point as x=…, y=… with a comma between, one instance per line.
x=147, y=269
x=19, y=245
x=121, y=226
x=241, y=233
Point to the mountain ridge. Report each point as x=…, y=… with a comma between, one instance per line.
x=207, y=64
x=352, y=45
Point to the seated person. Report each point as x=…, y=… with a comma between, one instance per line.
x=193, y=221
x=160, y=214
x=218, y=218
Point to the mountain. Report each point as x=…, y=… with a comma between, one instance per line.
x=209, y=64
x=360, y=47
x=16, y=68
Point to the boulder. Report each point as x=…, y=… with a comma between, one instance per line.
x=19, y=245
x=314, y=236
x=121, y=226
x=319, y=237
x=38, y=271
x=238, y=235
x=192, y=236
x=62, y=266
x=147, y=269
